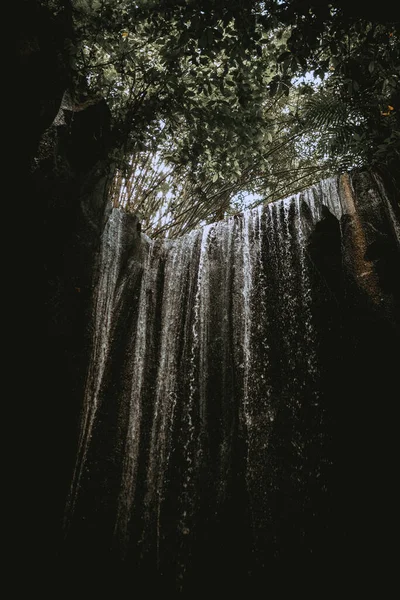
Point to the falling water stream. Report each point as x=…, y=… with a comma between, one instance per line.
x=207, y=406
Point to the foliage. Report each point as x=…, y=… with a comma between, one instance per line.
x=173, y=196
x=213, y=99
x=357, y=54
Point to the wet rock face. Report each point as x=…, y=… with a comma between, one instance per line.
x=232, y=389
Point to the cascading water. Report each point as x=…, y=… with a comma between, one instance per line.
x=210, y=404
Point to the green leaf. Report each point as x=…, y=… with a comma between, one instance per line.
x=273, y=87
x=284, y=56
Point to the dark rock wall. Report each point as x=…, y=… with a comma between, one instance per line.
x=60, y=176
x=370, y=382
x=43, y=42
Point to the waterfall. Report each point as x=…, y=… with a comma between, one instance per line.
x=211, y=397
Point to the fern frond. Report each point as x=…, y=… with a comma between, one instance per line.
x=323, y=110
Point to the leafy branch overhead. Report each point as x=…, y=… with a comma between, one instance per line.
x=213, y=99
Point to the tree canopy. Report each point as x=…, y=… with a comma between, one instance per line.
x=216, y=105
